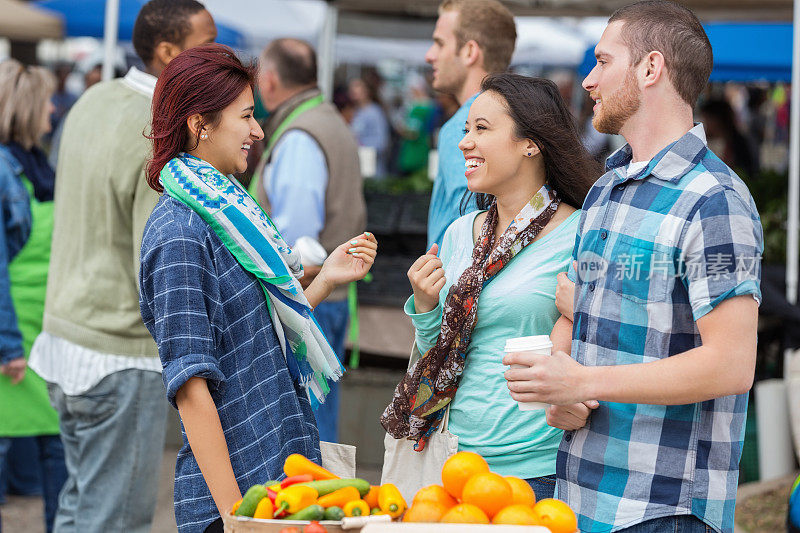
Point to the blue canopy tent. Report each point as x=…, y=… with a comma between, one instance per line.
x=742, y=52
x=86, y=19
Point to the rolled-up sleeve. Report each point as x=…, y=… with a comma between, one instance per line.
x=721, y=252
x=180, y=300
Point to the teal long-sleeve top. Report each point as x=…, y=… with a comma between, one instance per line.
x=518, y=302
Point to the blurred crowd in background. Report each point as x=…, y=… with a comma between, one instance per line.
x=397, y=114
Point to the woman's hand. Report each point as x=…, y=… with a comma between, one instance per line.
x=565, y=294
x=350, y=261
x=570, y=417
x=15, y=369
x=427, y=279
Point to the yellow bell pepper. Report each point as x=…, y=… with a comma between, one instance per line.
x=293, y=498
x=391, y=501
x=356, y=508
x=339, y=497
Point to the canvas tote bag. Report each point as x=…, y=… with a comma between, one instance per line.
x=339, y=459
x=409, y=470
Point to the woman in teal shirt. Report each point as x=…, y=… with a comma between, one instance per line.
x=494, y=277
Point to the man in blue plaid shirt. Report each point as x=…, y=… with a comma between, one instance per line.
x=666, y=299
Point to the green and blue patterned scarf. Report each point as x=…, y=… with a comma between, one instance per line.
x=255, y=242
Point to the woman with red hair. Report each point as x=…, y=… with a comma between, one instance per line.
x=243, y=357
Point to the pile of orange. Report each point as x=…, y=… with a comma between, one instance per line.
x=471, y=494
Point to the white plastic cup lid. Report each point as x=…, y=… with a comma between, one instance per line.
x=524, y=344
x=311, y=252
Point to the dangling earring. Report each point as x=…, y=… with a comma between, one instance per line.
x=529, y=154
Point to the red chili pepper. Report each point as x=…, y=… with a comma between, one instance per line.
x=271, y=494
x=302, y=478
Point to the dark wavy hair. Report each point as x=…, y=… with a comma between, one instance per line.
x=540, y=114
x=202, y=80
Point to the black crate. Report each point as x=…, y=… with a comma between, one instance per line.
x=389, y=285
x=383, y=212
x=414, y=214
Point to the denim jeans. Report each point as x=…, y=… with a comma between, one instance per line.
x=5, y=444
x=543, y=487
x=332, y=318
x=21, y=474
x=49, y=471
x=113, y=438
x=670, y=524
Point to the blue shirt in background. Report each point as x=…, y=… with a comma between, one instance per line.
x=295, y=182
x=371, y=129
x=450, y=184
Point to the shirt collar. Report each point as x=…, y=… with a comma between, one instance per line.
x=671, y=163
x=140, y=81
x=469, y=101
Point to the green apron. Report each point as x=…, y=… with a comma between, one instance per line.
x=25, y=407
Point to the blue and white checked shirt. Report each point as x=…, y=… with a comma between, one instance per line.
x=209, y=317
x=656, y=251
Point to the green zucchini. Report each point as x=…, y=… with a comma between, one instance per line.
x=312, y=512
x=334, y=513
x=327, y=486
x=250, y=500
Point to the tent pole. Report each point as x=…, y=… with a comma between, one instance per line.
x=326, y=50
x=110, y=38
x=792, y=253
x=791, y=358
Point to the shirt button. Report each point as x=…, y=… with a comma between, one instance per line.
x=604, y=234
x=568, y=436
x=583, y=337
x=591, y=287
x=620, y=187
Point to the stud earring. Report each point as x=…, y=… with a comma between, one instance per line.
x=204, y=135
x=529, y=154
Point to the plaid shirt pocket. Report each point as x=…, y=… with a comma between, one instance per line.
x=640, y=269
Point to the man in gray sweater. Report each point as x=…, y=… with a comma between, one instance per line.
x=100, y=363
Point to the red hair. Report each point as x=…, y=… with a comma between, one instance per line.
x=202, y=80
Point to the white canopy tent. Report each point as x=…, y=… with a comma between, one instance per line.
x=540, y=41
x=23, y=22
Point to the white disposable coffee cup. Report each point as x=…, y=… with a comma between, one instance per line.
x=311, y=252
x=538, y=344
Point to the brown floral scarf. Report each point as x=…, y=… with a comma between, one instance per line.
x=423, y=394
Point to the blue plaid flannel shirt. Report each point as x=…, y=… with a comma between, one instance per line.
x=656, y=251
x=209, y=317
